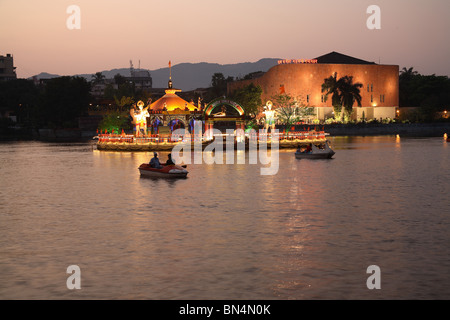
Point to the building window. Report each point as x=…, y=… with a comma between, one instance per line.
x=371, y=87
x=371, y=98
x=368, y=88
x=321, y=97
x=307, y=98
x=382, y=98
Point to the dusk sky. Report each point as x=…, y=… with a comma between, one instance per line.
x=414, y=33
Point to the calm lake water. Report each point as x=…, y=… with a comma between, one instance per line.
x=227, y=232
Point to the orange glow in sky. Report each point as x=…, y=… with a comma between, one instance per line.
x=413, y=33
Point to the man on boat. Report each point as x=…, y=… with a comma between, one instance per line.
x=309, y=148
x=154, y=163
x=169, y=160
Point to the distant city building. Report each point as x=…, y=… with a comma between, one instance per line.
x=303, y=79
x=141, y=79
x=7, y=69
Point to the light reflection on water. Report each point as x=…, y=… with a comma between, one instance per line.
x=226, y=232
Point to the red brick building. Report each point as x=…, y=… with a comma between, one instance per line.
x=304, y=78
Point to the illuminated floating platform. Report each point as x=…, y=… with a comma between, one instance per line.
x=111, y=142
x=142, y=145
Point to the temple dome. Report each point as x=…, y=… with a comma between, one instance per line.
x=171, y=102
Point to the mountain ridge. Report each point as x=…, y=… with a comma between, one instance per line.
x=186, y=75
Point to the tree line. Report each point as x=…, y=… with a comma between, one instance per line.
x=58, y=102
x=430, y=94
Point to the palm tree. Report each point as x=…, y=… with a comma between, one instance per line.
x=97, y=78
x=330, y=86
x=343, y=93
x=350, y=92
x=407, y=73
x=406, y=88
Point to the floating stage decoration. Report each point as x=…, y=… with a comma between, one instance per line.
x=129, y=142
x=166, y=142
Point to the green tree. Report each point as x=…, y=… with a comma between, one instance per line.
x=119, y=79
x=406, y=81
x=63, y=100
x=97, y=78
x=123, y=103
x=19, y=96
x=116, y=121
x=290, y=110
x=350, y=93
x=343, y=93
x=249, y=97
x=218, y=84
x=429, y=93
x=109, y=92
x=330, y=87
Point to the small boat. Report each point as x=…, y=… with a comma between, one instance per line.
x=166, y=171
x=316, y=153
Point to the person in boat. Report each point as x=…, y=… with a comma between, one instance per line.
x=309, y=148
x=154, y=162
x=169, y=160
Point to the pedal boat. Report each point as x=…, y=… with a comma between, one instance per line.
x=167, y=171
x=316, y=153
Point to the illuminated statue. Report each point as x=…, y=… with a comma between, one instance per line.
x=222, y=113
x=140, y=117
x=270, y=116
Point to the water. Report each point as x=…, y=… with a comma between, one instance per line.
x=227, y=232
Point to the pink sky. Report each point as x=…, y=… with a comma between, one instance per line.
x=413, y=33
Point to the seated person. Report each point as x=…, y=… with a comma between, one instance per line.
x=169, y=160
x=309, y=148
x=154, y=163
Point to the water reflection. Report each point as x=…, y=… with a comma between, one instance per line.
x=227, y=232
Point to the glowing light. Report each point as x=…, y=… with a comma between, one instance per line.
x=289, y=61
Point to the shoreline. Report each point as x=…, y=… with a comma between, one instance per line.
x=435, y=129
x=432, y=129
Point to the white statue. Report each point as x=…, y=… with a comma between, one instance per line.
x=140, y=117
x=270, y=116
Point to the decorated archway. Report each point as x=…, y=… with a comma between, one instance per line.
x=224, y=110
x=156, y=122
x=176, y=123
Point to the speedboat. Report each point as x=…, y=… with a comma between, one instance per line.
x=316, y=153
x=166, y=171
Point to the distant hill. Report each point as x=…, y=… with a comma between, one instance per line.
x=45, y=75
x=188, y=76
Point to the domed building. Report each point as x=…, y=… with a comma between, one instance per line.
x=170, y=112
